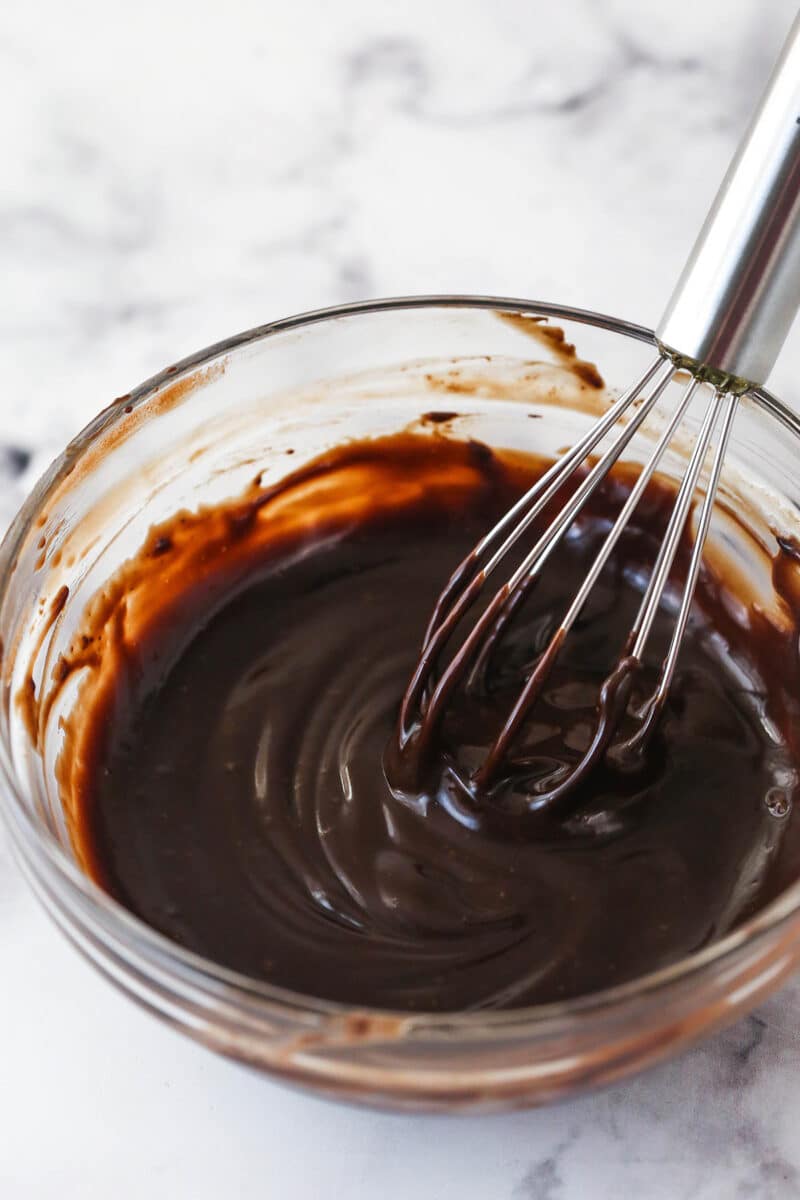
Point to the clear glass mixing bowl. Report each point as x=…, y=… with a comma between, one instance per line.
x=199, y=432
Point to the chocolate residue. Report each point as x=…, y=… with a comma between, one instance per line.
x=223, y=772
x=438, y=418
x=161, y=546
x=559, y=380
x=32, y=708
x=456, y=383
x=59, y=600
x=86, y=459
x=553, y=338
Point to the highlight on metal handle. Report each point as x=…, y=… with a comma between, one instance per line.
x=740, y=289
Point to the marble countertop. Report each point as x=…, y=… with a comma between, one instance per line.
x=174, y=172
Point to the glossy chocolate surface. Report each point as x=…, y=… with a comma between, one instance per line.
x=226, y=775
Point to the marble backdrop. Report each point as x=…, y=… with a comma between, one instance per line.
x=173, y=172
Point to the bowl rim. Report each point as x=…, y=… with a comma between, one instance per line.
x=219, y=982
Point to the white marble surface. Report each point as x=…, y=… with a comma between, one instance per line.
x=173, y=172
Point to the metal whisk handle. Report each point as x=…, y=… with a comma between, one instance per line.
x=740, y=289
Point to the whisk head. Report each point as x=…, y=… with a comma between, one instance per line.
x=437, y=676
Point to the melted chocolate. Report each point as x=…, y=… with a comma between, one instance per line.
x=224, y=773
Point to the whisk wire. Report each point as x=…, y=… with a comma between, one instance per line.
x=643, y=622
x=462, y=590
x=632, y=653
x=729, y=403
x=625, y=513
x=426, y=697
x=543, y=492
x=528, y=507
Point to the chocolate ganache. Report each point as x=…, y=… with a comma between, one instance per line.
x=225, y=774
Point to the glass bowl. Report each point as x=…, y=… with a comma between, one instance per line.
x=199, y=432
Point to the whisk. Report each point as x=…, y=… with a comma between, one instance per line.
x=725, y=324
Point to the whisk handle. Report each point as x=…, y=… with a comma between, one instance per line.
x=740, y=289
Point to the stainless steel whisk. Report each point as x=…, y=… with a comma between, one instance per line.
x=725, y=324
